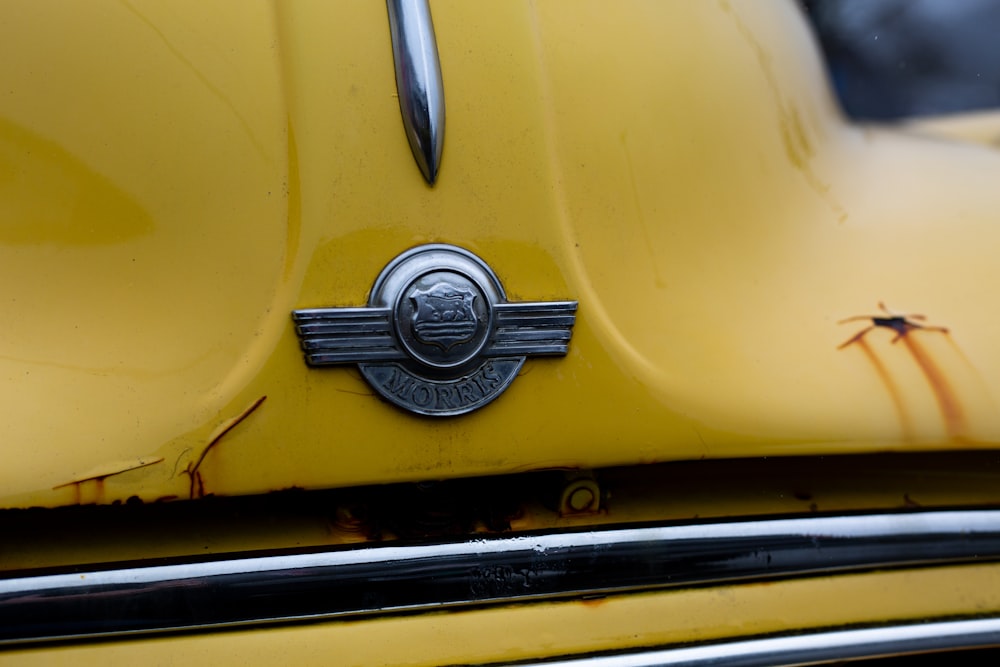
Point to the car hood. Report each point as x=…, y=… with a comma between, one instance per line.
x=177, y=178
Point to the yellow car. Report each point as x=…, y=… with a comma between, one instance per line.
x=537, y=331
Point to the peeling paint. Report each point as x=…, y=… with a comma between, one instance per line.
x=100, y=473
x=197, y=482
x=111, y=469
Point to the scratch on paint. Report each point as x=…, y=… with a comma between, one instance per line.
x=215, y=91
x=192, y=468
x=903, y=325
x=177, y=462
x=643, y=223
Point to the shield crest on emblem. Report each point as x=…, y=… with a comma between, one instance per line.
x=443, y=315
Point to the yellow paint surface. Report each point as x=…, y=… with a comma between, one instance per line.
x=177, y=177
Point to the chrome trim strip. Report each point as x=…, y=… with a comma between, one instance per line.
x=333, y=336
x=352, y=581
x=346, y=335
x=418, y=81
x=525, y=328
x=818, y=647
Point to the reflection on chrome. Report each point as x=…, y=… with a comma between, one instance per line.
x=352, y=581
x=418, y=81
x=819, y=647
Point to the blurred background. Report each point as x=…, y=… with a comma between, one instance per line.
x=895, y=59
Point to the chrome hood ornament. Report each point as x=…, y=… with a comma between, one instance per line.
x=438, y=336
x=418, y=81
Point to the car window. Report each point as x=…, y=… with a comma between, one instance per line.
x=894, y=59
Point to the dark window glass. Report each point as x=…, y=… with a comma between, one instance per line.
x=893, y=59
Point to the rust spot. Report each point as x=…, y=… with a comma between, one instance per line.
x=593, y=602
x=903, y=326
x=197, y=486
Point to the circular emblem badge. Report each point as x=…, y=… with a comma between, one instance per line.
x=443, y=319
x=442, y=301
x=438, y=336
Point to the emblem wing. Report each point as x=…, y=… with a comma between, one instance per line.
x=533, y=328
x=346, y=335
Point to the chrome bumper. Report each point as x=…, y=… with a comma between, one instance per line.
x=813, y=648
x=122, y=599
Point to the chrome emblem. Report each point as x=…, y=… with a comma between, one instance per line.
x=418, y=81
x=438, y=336
x=444, y=316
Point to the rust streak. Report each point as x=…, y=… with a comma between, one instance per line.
x=593, y=602
x=192, y=470
x=904, y=326
x=905, y=422
x=972, y=370
x=951, y=410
